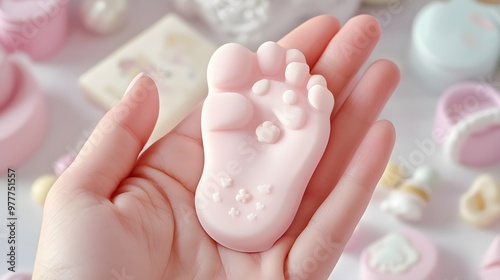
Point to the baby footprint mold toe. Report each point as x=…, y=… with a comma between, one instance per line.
x=404, y=255
x=265, y=125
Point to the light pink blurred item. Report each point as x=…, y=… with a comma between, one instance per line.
x=23, y=117
x=15, y=276
x=37, y=28
x=62, y=163
x=468, y=124
x=491, y=261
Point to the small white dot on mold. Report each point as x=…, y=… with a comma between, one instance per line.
x=259, y=206
x=290, y=97
x=265, y=188
x=226, y=182
x=216, y=197
x=261, y=87
x=233, y=212
x=251, y=216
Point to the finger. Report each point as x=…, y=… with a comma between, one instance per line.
x=346, y=53
x=348, y=129
x=319, y=246
x=113, y=147
x=311, y=38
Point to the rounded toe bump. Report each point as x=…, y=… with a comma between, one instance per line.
x=316, y=80
x=294, y=55
x=230, y=67
x=297, y=74
x=271, y=57
x=321, y=99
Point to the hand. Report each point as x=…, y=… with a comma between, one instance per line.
x=117, y=215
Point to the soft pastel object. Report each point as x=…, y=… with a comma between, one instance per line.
x=23, y=119
x=404, y=255
x=409, y=200
x=480, y=206
x=468, y=123
x=265, y=125
x=15, y=276
x=62, y=163
x=8, y=80
x=103, y=16
x=38, y=28
x=173, y=54
x=454, y=41
x=392, y=176
x=491, y=262
x=41, y=187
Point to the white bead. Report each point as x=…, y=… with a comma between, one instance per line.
x=103, y=16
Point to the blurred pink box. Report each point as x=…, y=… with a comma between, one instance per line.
x=37, y=28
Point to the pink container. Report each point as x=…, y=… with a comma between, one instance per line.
x=8, y=79
x=23, y=119
x=38, y=28
x=468, y=122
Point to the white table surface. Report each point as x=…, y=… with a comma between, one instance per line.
x=411, y=109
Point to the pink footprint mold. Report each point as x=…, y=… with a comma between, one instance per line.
x=404, y=255
x=173, y=54
x=453, y=41
x=23, y=115
x=480, y=205
x=491, y=261
x=265, y=125
x=468, y=124
x=38, y=28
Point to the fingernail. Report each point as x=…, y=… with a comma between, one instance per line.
x=134, y=81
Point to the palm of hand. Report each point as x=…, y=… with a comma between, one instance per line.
x=112, y=216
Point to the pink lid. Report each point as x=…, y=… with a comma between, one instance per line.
x=23, y=121
x=468, y=122
x=37, y=28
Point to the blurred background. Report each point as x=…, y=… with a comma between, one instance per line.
x=65, y=49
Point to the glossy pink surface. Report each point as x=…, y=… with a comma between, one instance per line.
x=265, y=125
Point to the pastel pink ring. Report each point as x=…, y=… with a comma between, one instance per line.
x=468, y=123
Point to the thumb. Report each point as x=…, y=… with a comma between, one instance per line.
x=112, y=149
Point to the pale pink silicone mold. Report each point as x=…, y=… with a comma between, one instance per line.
x=265, y=126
